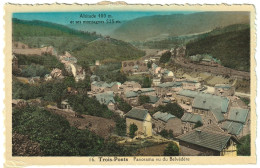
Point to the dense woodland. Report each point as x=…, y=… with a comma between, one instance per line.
x=232, y=47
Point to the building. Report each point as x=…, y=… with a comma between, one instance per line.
x=168, y=87
x=191, y=85
x=166, y=121
x=106, y=98
x=56, y=74
x=212, y=108
x=224, y=90
x=101, y=86
x=142, y=119
x=188, y=122
x=131, y=97
x=129, y=85
x=134, y=66
x=238, y=122
x=65, y=105
x=156, y=81
x=47, y=77
x=208, y=141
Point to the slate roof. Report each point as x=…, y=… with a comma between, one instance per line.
x=188, y=93
x=232, y=127
x=209, y=101
x=238, y=115
x=190, y=117
x=153, y=99
x=169, y=84
x=104, y=84
x=138, y=114
x=222, y=86
x=130, y=94
x=207, y=137
x=218, y=114
x=163, y=116
x=145, y=90
x=105, y=98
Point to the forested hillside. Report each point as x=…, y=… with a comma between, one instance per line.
x=85, y=46
x=231, y=45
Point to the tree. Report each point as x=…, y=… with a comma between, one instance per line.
x=198, y=124
x=147, y=82
x=172, y=108
x=142, y=99
x=171, y=150
x=57, y=93
x=133, y=128
x=149, y=64
x=244, y=148
x=165, y=57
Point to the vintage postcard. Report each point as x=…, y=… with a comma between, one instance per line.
x=110, y=84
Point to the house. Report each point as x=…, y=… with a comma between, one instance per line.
x=101, y=86
x=34, y=80
x=167, y=73
x=80, y=74
x=188, y=122
x=163, y=89
x=191, y=85
x=212, y=108
x=207, y=141
x=142, y=119
x=238, y=122
x=65, y=105
x=47, y=77
x=156, y=81
x=154, y=100
x=132, y=66
x=128, y=86
x=166, y=121
x=56, y=74
x=224, y=90
x=106, y=98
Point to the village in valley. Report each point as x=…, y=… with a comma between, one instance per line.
x=162, y=103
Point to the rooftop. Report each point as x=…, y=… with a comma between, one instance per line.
x=169, y=84
x=238, y=114
x=210, y=136
x=138, y=114
x=104, y=84
x=190, y=117
x=153, y=99
x=206, y=101
x=232, y=127
x=163, y=116
x=105, y=98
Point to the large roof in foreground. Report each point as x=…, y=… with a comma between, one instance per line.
x=209, y=136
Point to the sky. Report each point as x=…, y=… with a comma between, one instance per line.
x=65, y=17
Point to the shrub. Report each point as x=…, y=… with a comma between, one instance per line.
x=133, y=128
x=171, y=150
